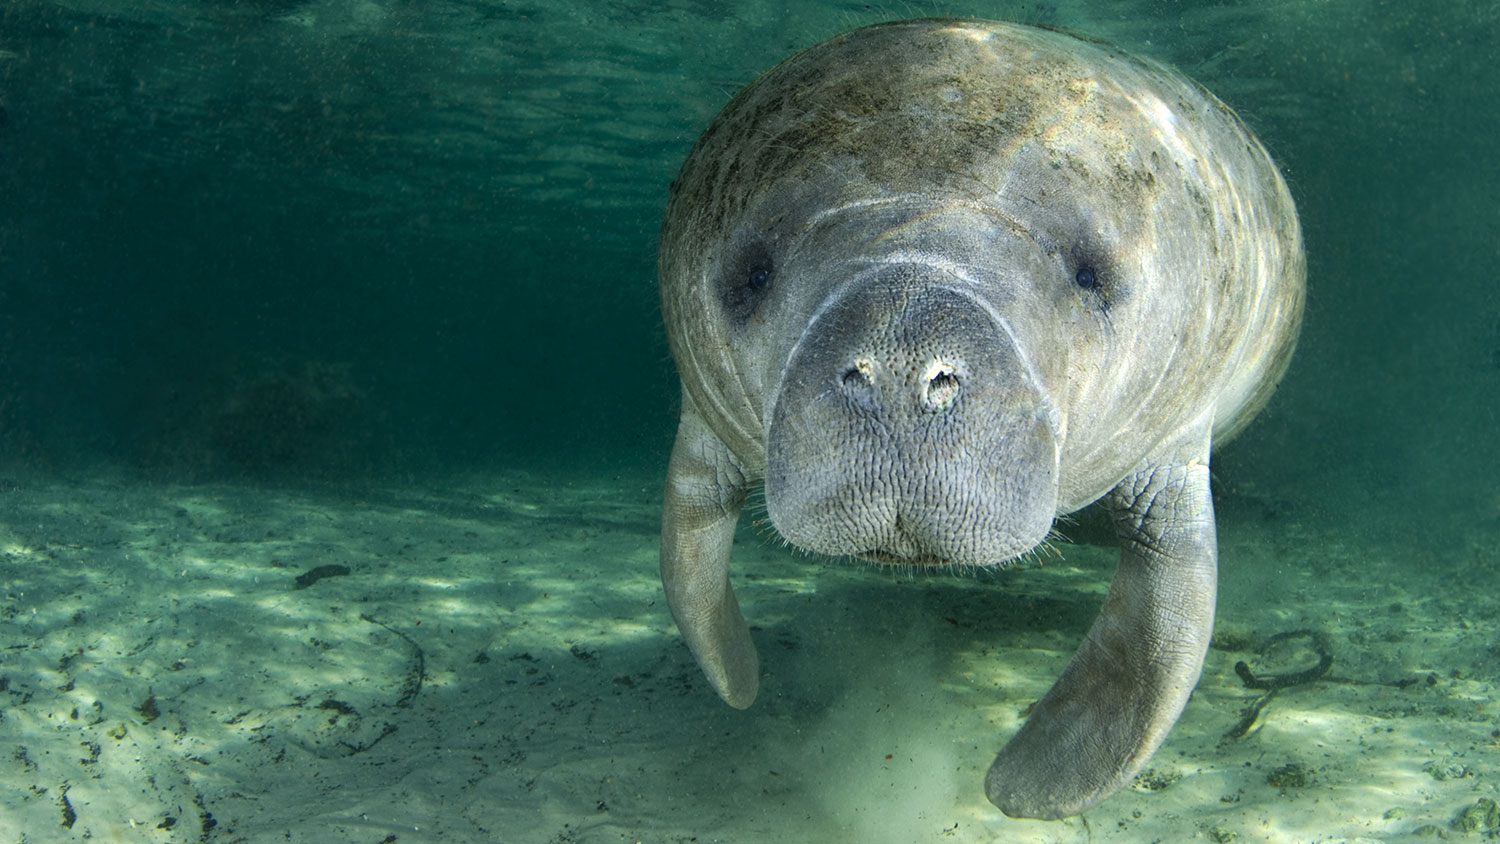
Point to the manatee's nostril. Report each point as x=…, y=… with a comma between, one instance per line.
x=939, y=387
x=858, y=383
x=860, y=376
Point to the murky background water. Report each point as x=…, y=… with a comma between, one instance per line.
x=430, y=227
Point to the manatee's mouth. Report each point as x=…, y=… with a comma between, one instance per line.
x=886, y=558
x=904, y=549
x=925, y=560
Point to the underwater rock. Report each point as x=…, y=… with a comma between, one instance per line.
x=1290, y=775
x=1483, y=816
x=283, y=417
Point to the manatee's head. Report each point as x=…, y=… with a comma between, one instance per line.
x=886, y=292
x=889, y=362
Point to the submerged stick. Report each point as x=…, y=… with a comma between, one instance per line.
x=1273, y=683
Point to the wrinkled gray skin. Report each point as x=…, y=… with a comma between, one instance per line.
x=936, y=282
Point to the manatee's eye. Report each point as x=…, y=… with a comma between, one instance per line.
x=746, y=279
x=1096, y=274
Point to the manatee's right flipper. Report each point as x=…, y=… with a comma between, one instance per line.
x=1132, y=675
x=705, y=490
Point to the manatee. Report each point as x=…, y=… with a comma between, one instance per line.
x=935, y=283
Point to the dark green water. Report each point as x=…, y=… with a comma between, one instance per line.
x=433, y=226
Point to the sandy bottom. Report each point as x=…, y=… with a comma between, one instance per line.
x=497, y=665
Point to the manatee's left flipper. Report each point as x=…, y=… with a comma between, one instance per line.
x=1130, y=678
x=706, y=490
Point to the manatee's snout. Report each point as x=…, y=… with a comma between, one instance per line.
x=908, y=429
